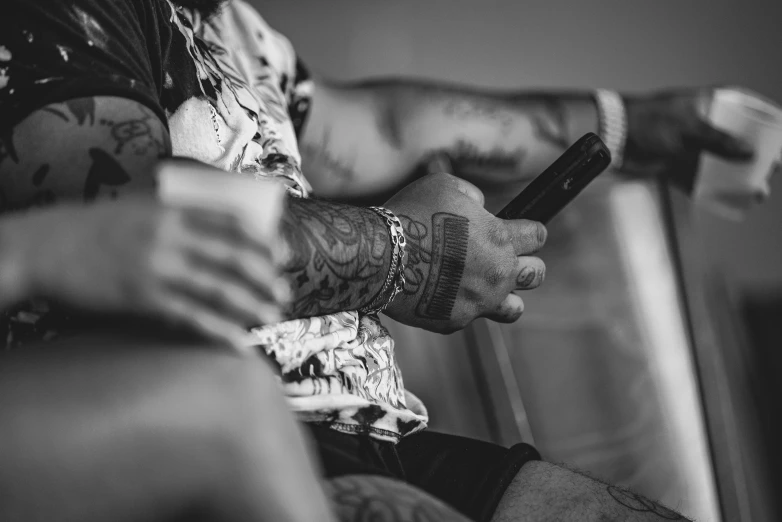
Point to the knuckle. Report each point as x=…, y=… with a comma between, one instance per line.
x=499, y=234
x=495, y=276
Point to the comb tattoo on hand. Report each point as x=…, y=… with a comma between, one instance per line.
x=449, y=254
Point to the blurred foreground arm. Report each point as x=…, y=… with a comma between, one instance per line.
x=136, y=429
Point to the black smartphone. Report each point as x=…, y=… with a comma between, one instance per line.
x=562, y=181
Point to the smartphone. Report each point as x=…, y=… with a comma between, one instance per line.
x=552, y=190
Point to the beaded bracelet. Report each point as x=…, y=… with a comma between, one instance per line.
x=395, y=281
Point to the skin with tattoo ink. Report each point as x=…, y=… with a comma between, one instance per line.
x=463, y=262
x=115, y=144
x=526, y=277
x=448, y=256
x=337, y=256
x=636, y=502
x=368, y=498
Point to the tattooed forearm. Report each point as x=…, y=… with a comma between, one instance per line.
x=550, y=123
x=436, y=260
x=338, y=256
x=476, y=107
x=636, y=502
x=471, y=161
x=367, y=498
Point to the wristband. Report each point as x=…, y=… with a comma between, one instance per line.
x=613, y=123
x=395, y=281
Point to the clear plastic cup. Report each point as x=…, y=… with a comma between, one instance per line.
x=730, y=188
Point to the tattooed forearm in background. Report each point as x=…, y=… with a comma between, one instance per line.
x=81, y=150
x=338, y=256
x=375, y=133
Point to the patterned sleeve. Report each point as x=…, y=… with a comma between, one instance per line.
x=301, y=97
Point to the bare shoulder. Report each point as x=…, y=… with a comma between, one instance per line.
x=81, y=150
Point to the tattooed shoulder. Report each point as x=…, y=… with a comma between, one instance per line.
x=81, y=149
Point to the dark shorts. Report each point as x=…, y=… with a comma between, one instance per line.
x=469, y=475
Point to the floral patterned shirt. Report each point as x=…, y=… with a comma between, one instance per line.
x=338, y=369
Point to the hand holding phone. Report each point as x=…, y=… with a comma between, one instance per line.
x=561, y=182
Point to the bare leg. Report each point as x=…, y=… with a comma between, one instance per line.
x=542, y=492
x=133, y=432
x=359, y=498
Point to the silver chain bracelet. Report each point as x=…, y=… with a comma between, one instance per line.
x=395, y=281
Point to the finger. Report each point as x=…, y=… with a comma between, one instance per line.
x=212, y=221
x=532, y=272
x=508, y=311
x=711, y=139
x=225, y=298
x=246, y=266
x=526, y=236
x=228, y=226
x=465, y=187
x=203, y=320
x=763, y=193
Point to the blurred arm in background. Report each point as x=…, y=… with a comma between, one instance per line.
x=367, y=138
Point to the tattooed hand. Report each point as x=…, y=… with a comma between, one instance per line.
x=463, y=262
x=666, y=132
x=205, y=268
